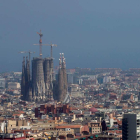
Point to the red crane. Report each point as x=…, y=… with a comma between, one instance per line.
x=40, y=44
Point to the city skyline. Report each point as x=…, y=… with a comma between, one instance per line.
x=70, y=70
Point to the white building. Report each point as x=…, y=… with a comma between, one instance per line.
x=2, y=82
x=13, y=85
x=107, y=79
x=131, y=126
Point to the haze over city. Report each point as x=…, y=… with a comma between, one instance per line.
x=92, y=34
x=69, y=70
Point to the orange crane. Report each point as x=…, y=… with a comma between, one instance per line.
x=40, y=44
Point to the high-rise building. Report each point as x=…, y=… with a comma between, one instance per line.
x=131, y=126
x=100, y=79
x=107, y=79
x=70, y=78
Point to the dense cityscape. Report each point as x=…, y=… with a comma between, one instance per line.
x=69, y=70
x=102, y=103
x=43, y=102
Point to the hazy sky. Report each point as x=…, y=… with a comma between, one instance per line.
x=91, y=33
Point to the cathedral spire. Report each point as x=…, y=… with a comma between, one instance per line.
x=23, y=79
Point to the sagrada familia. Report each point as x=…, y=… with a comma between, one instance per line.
x=42, y=86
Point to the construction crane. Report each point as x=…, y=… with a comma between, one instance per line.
x=52, y=45
x=40, y=44
x=29, y=52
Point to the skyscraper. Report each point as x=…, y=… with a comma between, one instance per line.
x=131, y=126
